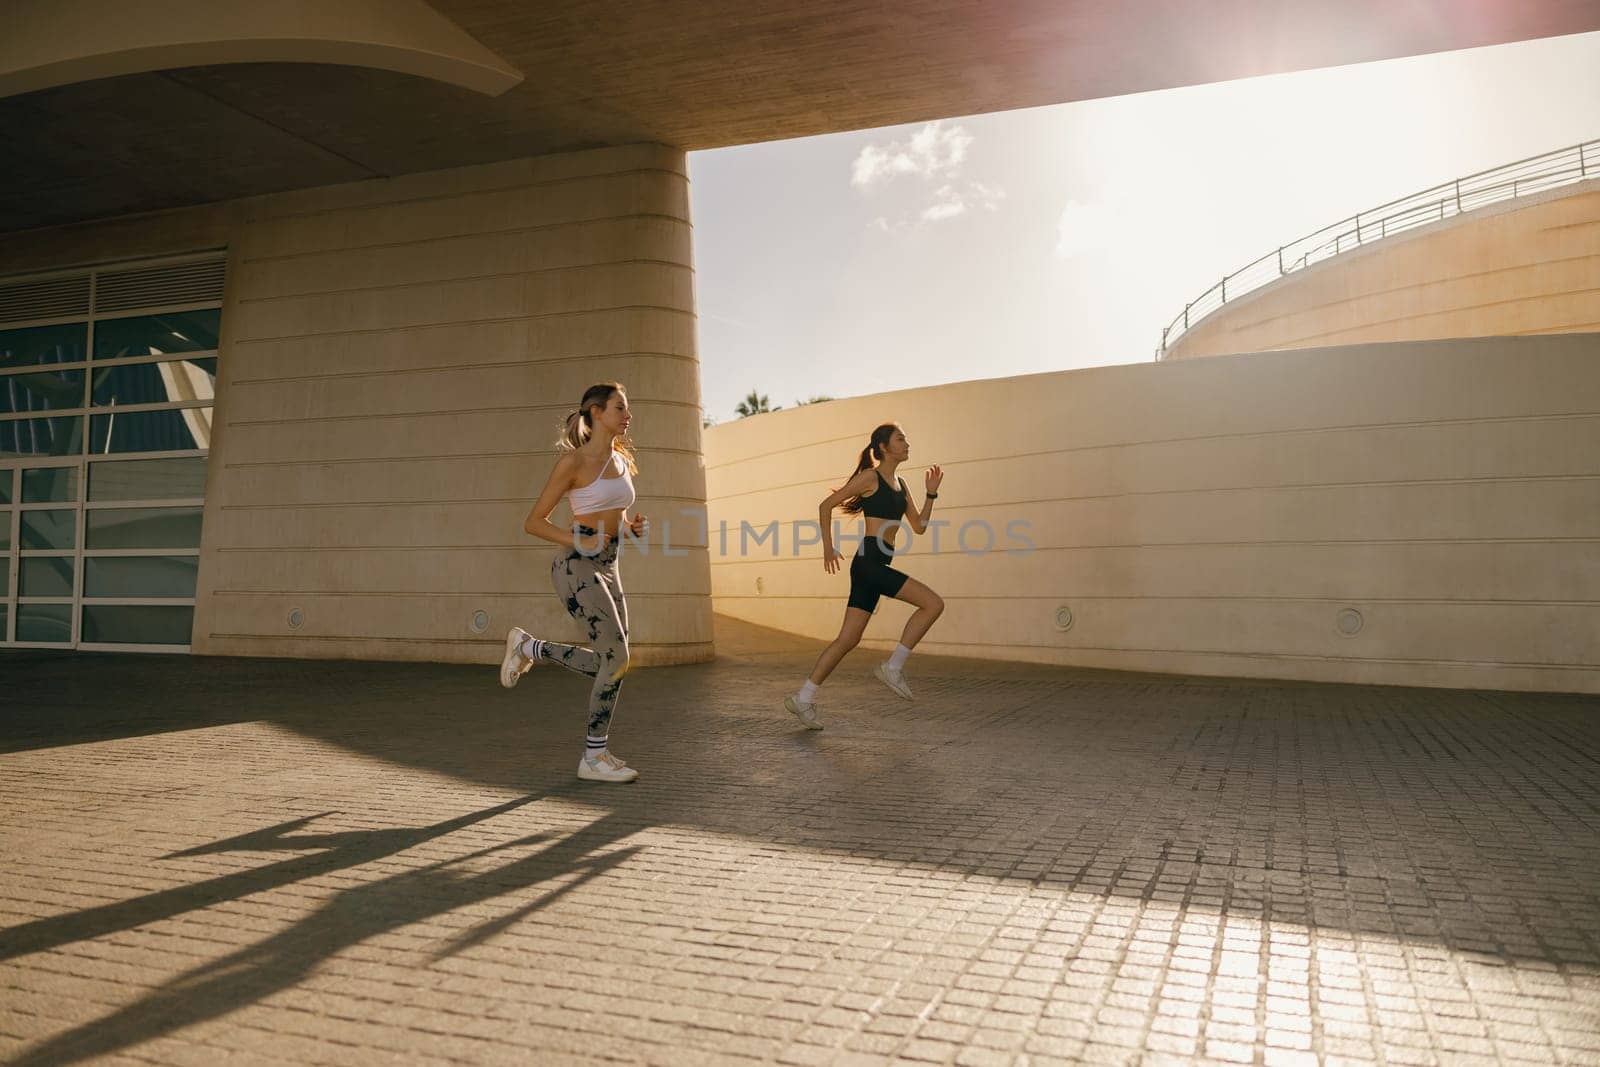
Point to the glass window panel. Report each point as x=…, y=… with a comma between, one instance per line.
x=5, y=487
x=45, y=530
x=156, y=335
x=180, y=478
x=5, y=591
x=45, y=576
x=155, y=383
x=59, y=436
x=140, y=576
x=5, y=534
x=43, y=485
x=44, y=344
x=143, y=527
x=41, y=390
x=44, y=622
x=127, y=624
x=151, y=431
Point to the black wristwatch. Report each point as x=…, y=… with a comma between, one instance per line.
x=933, y=496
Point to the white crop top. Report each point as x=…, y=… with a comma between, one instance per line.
x=604, y=494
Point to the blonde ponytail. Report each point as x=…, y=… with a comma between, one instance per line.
x=579, y=426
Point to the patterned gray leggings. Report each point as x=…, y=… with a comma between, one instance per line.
x=591, y=588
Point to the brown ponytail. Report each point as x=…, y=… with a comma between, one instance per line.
x=866, y=461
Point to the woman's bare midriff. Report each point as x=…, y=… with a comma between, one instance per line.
x=611, y=520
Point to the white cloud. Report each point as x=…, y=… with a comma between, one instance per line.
x=947, y=204
x=931, y=151
x=988, y=196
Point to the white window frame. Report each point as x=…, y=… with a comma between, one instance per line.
x=83, y=460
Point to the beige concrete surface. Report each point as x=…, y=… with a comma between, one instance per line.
x=336, y=863
x=1525, y=268
x=1218, y=516
x=398, y=361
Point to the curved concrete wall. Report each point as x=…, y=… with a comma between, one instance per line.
x=1217, y=516
x=399, y=360
x=1530, y=267
x=395, y=362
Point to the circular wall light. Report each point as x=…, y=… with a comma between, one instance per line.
x=297, y=618
x=1348, y=622
x=1063, y=618
x=480, y=621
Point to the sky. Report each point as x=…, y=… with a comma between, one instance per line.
x=1062, y=237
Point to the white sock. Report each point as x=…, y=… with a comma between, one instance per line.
x=533, y=648
x=898, y=660
x=808, y=692
x=593, y=747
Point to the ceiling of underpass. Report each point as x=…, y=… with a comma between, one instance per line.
x=692, y=73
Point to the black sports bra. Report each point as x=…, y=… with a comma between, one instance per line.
x=887, y=503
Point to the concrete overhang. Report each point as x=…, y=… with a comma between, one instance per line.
x=59, y=42
x=691, y=73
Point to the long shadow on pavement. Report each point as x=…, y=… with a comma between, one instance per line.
x=1470, y=820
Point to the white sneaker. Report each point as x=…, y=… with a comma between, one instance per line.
x=603, y=770
x=806, y=713
x=613, y=759
x=515, y=664
x=893, y=679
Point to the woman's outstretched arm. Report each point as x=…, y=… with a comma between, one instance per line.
x=538, y=521
x=857, y=485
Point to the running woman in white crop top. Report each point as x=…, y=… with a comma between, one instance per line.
x=595, y=472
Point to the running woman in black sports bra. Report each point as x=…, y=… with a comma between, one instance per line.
x=881, y=497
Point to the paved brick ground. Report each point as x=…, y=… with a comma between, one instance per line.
x=250, y=862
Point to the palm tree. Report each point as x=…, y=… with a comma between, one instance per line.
x=754, y=404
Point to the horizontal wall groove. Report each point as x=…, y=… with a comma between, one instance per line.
x=521, y=546
x=633, y=644
x=1370, y=294
x=653, y=308
x=1563, y=227
x=1308, y=340
x=1486, y=479
x=489, y=190
x=1323, y=542
x=634, y=596
x=457, y=279
x=1471, y=420
x=1093, y=598
x=419, y=242
x=414, y=503
x=1575, y=327
x=347, y=461
x=442, y=412
x=530, y=364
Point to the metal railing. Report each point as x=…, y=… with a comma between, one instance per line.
x=1533, y=175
